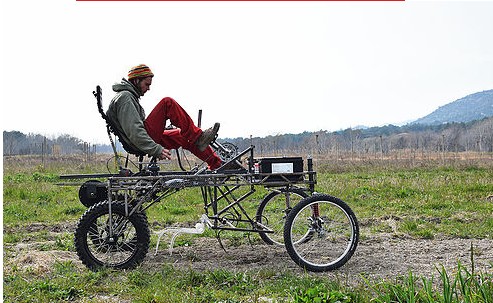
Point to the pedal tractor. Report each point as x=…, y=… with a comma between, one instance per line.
x=320, y=232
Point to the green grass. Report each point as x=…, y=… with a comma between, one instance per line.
x=166, y=284
x=421, y=202
x=35, y=197
x=424, y=202
x=463, y=286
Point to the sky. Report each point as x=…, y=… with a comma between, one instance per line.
x=258, y=68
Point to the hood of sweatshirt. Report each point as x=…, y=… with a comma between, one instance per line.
x=125, y=85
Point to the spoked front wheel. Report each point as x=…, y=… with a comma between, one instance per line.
x=116, y=240
x=274, y=209
x=329, y=230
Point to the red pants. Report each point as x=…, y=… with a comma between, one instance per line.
x=184, y=135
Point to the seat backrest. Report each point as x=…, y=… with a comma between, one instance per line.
x=111, y=128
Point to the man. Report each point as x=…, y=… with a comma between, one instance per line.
x=149, y=134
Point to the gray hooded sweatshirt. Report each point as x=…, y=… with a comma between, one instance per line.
x=127, y=115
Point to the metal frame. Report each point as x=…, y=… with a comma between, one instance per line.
x=150, y=186
x=139, y=191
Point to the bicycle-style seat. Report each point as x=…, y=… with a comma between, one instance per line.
x=114, y=130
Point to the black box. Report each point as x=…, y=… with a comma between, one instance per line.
x=291, y=168
x=281, y=165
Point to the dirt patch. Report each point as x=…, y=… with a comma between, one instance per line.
x=377, y=257
x=37, y=227
x=39, y=263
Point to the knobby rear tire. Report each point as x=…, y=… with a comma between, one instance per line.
x=125, y=250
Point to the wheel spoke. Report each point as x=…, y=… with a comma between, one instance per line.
x=273, y=211
x=321, y=233
x=97, y=247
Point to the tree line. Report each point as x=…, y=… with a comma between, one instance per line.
x=476, y=136
x=18, y=143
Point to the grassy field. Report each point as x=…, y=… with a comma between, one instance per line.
x=422, y=201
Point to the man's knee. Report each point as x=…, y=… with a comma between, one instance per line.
x=168, y=101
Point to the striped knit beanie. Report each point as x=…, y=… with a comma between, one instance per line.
x=139, y=71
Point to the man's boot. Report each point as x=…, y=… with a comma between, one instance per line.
x=207, y=137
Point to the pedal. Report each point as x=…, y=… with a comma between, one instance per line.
x=226, y=150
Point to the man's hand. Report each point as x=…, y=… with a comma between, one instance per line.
x=165, y=154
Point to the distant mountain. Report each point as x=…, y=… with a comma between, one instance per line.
x=472, y=107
